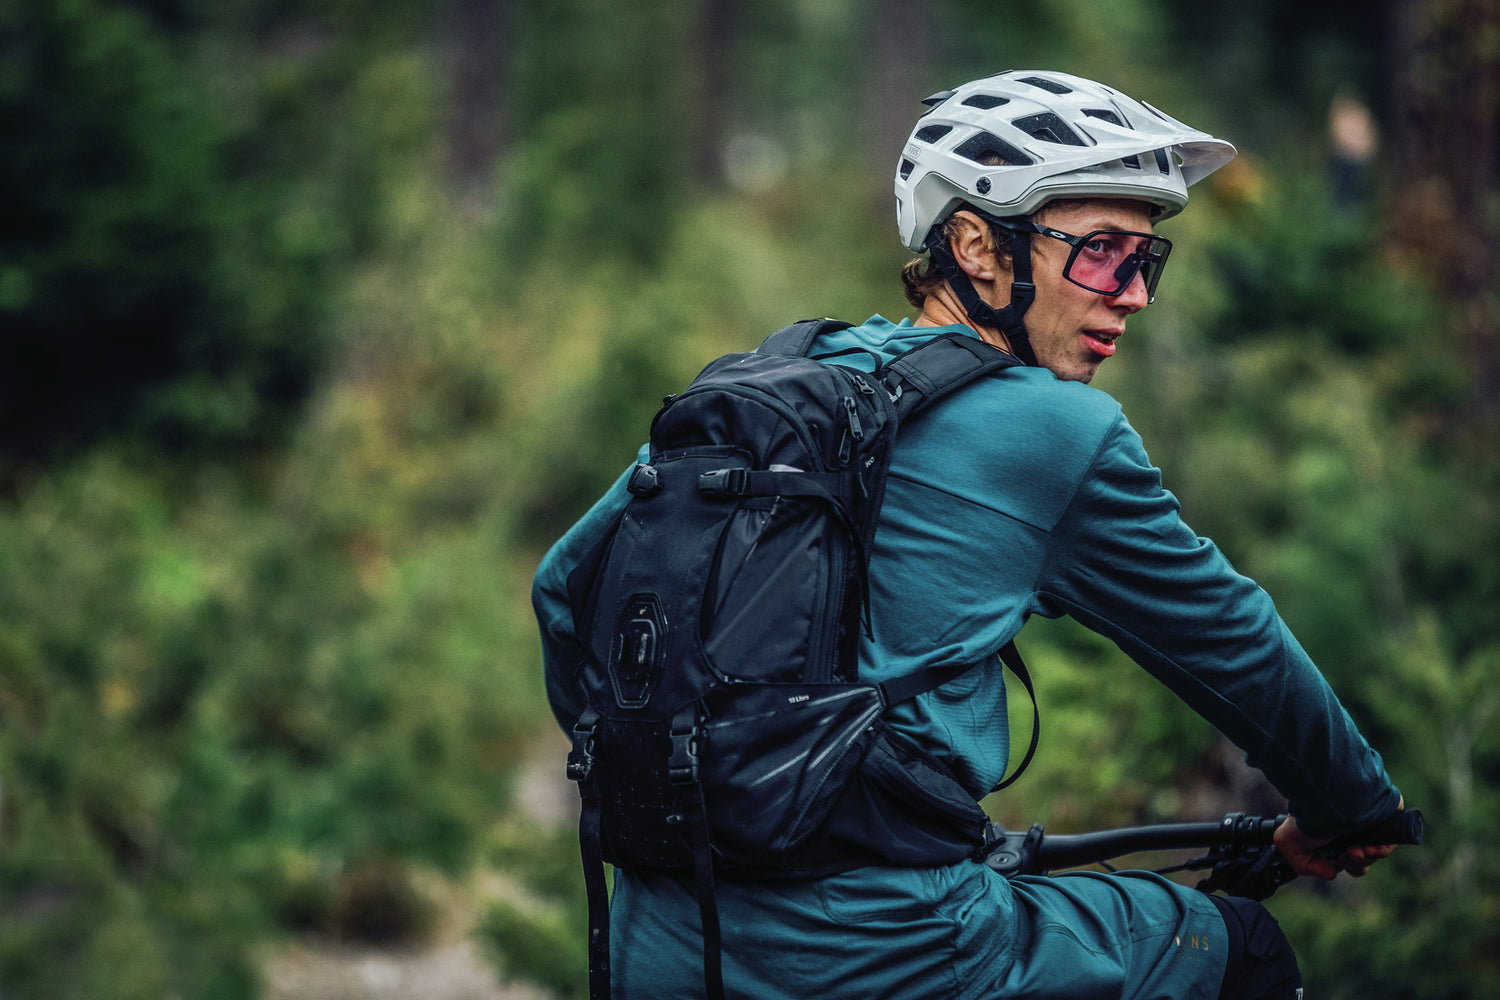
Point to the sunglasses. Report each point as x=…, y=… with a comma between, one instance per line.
x=1106, y=260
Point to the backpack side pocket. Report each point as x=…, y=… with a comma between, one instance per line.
x=777, y=759
x=777, y=592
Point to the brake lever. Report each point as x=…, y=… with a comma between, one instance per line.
x=1253, y=874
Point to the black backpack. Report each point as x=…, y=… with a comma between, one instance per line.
x=726, y=727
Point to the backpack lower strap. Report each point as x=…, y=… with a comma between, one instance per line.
x=708, y=906
x=598, y=895
x=683, y=769
x=591, y=846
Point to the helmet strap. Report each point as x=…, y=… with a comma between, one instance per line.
x=1010, y=319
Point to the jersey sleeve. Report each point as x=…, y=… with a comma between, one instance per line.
x=561, y=649
x=1124, y=564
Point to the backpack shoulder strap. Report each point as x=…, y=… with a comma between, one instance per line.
x=795, y=340
x=916, y=379
x=929, y=371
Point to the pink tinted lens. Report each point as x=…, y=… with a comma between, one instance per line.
x=1102, y=261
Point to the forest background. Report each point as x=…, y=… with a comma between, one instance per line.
x=321, y=319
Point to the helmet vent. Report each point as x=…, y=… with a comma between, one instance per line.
x=1104, y=116
x=1048, y=128
x=906, y=168
x=992, y=151
x=1051, y=86
x=1162, y=163
x=985, y=102
x=932, y=133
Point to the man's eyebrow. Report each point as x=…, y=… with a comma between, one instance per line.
x=1115, y=225
x=1106, y=223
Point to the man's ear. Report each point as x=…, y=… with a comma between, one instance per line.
x=973, y=247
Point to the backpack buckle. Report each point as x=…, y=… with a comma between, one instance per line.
x=724, y=483
x=682, y=766
x=645, y=481
x=581, y=758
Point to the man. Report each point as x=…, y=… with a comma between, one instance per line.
x=1034, y=196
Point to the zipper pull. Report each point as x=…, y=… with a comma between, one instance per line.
x=856, y=429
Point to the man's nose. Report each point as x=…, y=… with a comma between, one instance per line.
x=1133, y=296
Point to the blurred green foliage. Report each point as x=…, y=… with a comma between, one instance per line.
x=533, y=933
x=288, y=413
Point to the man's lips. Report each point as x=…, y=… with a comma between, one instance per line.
x=1101, y=342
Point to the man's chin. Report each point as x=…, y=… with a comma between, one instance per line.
x=1077, y=373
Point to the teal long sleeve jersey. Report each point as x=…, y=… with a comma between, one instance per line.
x=1021, y=495
x=1028, y=495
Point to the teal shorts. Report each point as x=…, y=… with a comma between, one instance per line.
x=961, y=932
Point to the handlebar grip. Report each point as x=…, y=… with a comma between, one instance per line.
x=1406, y=827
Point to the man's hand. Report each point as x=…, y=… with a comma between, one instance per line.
x=1301, y=852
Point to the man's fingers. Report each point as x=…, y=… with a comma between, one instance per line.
x=1305, y=856
x=1298, y=849
x=1357, y=860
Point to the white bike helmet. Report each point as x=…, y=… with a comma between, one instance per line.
x=1010, y=142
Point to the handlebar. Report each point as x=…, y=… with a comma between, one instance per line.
x=1240, y=848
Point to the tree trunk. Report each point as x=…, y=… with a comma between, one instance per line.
x=900, y=57
x=478, y=43
x=718, y=34
x=1444, y=220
